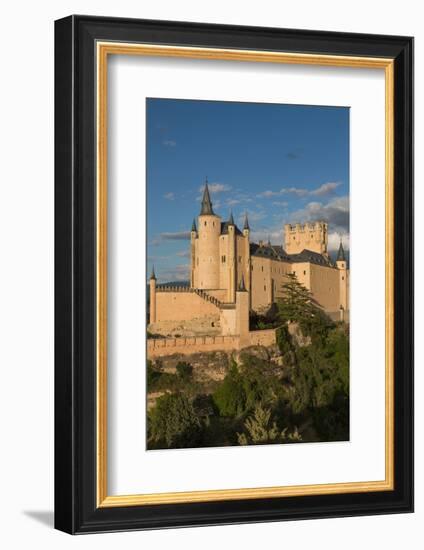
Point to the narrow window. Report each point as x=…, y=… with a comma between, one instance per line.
x=304, y=272
x=264, y=287
x=205, y=223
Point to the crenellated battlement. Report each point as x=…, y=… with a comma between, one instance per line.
x=303, y=227
x=310, y=236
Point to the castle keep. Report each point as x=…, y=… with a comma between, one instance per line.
x=230, y=276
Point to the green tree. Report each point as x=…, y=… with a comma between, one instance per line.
x=260, y=429
x=298, y=306
x=173, y=422
x=153, y=375
x=184, y=370
x=230, y=396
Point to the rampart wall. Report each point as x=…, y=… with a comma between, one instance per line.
x=159, y=347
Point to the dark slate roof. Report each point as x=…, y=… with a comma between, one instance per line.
x=242, y=286
x=276, y=252
x=309, y=256
x=246, y=222
x=206, y=207
x=193, y=225
x=231, y=219
x=341, y=254
x=224, y=228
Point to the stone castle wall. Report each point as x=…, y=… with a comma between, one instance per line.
x=160, y=347
x=182, y=305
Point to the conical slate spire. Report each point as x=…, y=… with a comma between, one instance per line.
x=206, y=201
x=246, y=222
x=231, y=219
x=242, y=286
x=193, y=225
x=341, y=254
x=153, y=276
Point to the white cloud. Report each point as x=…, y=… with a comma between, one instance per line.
x=175, y=236
x=170, y=236
x=326, y=189
x=169, y=196
x=268, y=194
x=275, y=234
x=298, y=191
x=335, y=213
x=323, y=190
x=183, y=254
x=334, y=241
x=169, y=143
x=177, y=273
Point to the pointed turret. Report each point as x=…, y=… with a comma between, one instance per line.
x=231, y=219
x=193, y=225
x=206, y=208
x=242, y=286
x=152, y=284
x=205, y=245
x=341, y=254
x=246, y=222
x=343, y=282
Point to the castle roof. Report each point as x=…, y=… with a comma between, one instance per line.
x=246, y=222
x=276, y=252
x=225, y=225
x=242, y=286
x=341, y=254
x=312, y=257
x=206, y=208
x=193, y=225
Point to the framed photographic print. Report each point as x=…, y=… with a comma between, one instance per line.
x=233, y=272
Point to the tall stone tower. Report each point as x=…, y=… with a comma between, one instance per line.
x=152, y=283
x=343, y=281
x=209, y=230
x=193, y=237
x=310, y=236
x=232, y=260
x=247, y=273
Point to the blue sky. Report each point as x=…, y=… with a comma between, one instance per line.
x=280, y=163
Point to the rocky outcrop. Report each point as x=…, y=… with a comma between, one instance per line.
x=297, y=335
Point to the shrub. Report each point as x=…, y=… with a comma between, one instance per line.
x=230, y=397
x=174, y=422
x=184, y=370
x=153, y=375
x=260, y=429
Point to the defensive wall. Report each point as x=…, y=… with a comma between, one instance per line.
x=159, y=347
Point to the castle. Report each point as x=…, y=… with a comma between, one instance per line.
x=230, y=277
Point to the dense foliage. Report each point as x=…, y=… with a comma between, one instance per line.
x=303, y=398
x=173, y=422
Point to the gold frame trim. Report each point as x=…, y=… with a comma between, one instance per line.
x=104, y=49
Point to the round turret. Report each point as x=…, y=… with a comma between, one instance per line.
x=208, y=230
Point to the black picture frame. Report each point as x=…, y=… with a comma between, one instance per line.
x=76, y=510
